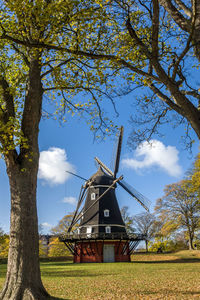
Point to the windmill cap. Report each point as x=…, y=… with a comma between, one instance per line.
x=101, y=178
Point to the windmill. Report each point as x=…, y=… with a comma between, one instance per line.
x=101, y=234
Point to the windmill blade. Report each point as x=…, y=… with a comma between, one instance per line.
x=119, y=147
x=77, y=175
x=134, y=193
x=104, y=166
x=80, y=201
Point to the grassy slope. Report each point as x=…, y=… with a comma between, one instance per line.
x=151, y=276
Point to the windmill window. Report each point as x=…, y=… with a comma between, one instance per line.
x=106, y=213
x=93, y=196
x=108, y=229
x=89, y=229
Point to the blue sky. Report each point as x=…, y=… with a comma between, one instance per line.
x=71, y=146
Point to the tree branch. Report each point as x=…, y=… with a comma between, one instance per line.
x=109, y=57
x=22, y=54
x=166, y=99
x=176, y=15
x=191, y=93
x=182, y=6
x=138, y=41
x=53, y=68
x=8, y=98
x=155, y=29
x=184, y=52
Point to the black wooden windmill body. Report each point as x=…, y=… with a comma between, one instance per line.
x=101, y=234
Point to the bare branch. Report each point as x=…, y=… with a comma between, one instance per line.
x=176, y=15
x=138, y=41
x=55, y=67
x=186, y=9
x=21, y=54
x=184, y=52
x=166, y=99
x=191, y=93
x=155, y=29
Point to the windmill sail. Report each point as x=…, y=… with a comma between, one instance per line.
x=80, y=201
x=134, y=193
x=119, y=147
x=104, y=166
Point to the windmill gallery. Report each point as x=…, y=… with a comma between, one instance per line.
x=100, y=235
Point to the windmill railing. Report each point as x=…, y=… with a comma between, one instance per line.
x=101, y=235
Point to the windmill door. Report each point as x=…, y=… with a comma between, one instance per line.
x=109, y=253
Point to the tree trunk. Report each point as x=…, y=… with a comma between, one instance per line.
x=190, y=241
x=146, y=242
x=23, y=281
x=23, y=273
x=196, y=35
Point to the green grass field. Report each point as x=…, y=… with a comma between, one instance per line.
x=149, y=276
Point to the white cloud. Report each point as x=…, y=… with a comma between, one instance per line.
x=53, y=165
x=45, y=224
x=155, y=153
x=70, y=200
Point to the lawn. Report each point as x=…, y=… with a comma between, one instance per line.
x=151, y=276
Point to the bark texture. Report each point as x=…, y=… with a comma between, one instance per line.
x=23, y=273
x=23, y=281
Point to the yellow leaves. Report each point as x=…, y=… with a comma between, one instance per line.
x=195, y=178
x=4, y=246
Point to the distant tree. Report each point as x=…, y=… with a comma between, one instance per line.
x=57, y=248
x=195, y=175
x=40, y=229
x=171, y=243
x=1, y=231
x=179, y=210
x=63, y=225
x=4, y=245
x=43, y=249
x=145, y=224
x=128, y=220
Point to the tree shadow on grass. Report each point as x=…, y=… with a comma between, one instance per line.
x=55, y=298
x=172, y=293
x=76, y=273
x=176, y=261
x=56, y=264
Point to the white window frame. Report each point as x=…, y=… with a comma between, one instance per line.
x=106, y=213
x=89, y=229
x=93, y=196
x=108, y=229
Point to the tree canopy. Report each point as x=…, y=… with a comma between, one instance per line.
x=195, y=175
x=128, y=220
x=144, y=224
x=109, y=48
x=63, y=225
x=26, y=30
x=179, y=210
x=153, y=44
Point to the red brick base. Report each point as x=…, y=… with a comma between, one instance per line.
x=93, y=251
